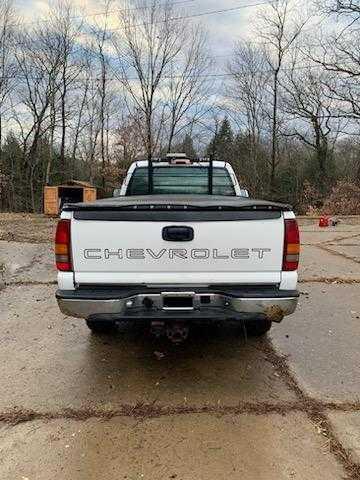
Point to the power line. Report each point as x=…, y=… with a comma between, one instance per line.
x=173, y=19
x=197, y=15
x=212, y=12
x=173, y=77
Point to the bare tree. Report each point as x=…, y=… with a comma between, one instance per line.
x=312, y=113
x=340, y=6
x=81, y=101
x=63, y=26
x=101, y=39
x=150, y=42
x=339, y=52
x=127, y=136
x=188, y=90
x=279, y=28
x=38, y=61
x=90, y=126
x=7, y=66
x=248, y=98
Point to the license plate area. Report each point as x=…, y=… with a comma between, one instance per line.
x=178, y=301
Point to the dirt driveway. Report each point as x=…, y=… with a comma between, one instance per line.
x=76, y=407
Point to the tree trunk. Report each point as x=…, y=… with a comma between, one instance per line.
x=0, y=138
x=274, y=134
x=171, y=137
x=102, y=117
x=33, y=207
x=51, y=149
x=63, y=121
x=77, y=130
x=149, y=145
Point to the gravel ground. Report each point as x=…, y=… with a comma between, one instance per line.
x=26, y=227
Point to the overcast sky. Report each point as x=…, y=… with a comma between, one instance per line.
x=223, y=28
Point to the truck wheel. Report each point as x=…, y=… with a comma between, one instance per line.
x=257, y=328
x=100, y=327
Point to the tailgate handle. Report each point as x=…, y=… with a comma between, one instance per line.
x=178, y=234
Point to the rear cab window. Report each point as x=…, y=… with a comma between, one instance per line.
x=180, y=180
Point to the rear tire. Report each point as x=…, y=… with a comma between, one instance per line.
x=101, y=327
x=257, y=328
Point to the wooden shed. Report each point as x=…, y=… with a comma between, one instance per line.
x=72, y=191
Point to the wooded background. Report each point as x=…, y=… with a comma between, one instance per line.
x=82, y=99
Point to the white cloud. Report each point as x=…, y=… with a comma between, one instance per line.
x=223, y=29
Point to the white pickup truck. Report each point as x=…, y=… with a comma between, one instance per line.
x=178, y=255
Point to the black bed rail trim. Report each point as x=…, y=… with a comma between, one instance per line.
x=175, y=215
x=263, y=207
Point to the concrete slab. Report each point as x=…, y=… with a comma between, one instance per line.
x=181, y=447
x=322, y=236
x=23, y=262
x=344, y=220
x=353, y=241
x=312, y=225
x=347, y=430
x=318, y=263
x=48, y=363
x=322, y=341
x=51, y=362
x=349, y=250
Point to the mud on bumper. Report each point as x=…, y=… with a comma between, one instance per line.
x=142, y=303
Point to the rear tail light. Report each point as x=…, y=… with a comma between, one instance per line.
x=63, y=246
x=291, y=246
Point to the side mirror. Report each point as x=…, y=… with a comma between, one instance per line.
x=117, y=192
x=244, y=193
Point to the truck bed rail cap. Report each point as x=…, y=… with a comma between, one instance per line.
x=194, y=202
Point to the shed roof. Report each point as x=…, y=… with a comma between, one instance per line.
x=76, y=183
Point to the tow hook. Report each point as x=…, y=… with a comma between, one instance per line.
x=157, y=328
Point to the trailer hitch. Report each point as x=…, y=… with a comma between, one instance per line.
x=176, y=332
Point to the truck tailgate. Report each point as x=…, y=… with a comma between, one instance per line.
x=240, y=251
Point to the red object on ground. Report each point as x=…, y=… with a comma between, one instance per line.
x=324, y=222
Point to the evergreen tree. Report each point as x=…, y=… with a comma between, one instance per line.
x=222, y=143
x=186, y=146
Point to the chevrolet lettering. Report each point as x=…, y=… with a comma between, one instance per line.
x=174, y=253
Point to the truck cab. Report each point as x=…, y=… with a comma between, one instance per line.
x=176, y=174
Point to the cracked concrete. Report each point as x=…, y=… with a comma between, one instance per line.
x=202, y=446
x=121, y=369
x=216, y=407
x=318, y=263
x=347, y=429
x=321, y=339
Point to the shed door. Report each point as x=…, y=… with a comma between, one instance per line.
x=51, y=201
x=89, y=194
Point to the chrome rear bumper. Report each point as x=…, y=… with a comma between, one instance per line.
x=189, y=304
